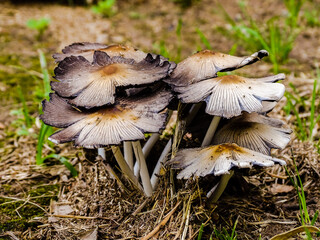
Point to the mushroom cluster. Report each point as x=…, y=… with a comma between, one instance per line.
x=249, y=134
x=109, y=95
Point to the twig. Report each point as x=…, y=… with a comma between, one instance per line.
x=162, y=223
x=272, y=221
x=80, y=217
x=140, y=207
x=184, y=233
x=277, y=176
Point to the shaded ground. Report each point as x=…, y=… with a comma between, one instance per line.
x=263, y=203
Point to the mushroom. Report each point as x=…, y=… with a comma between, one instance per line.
x=228, y=96
x=254, y=131
x=206, y=64
x=126, y=120
x=94, y=84
x=218, y=160
x=87, y=50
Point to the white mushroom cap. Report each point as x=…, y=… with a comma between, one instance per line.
x=127, y=120
x=228, y=96
x=254, y=131
x=87, y=50
x=218, y=160
x=94, y=84
x=206, y=64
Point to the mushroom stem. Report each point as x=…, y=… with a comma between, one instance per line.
x=215, y=193
x=150, y=143
x=124, y=166
x=102, y=153
x=146, y=150
x=156, y=171
x=145, y=177
x=136, y=169
x=128, y=155
x=211, y=130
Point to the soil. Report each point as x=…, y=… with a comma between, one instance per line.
x=46, y=202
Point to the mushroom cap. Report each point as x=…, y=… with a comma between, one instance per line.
x=87, y=50
x=128, y=119
x=218, y=160
x=206, y=64
x=94, y=84
x=229, y=95
x=254, y=131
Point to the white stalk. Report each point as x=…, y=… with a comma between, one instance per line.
x=128, y=154
x=146, y=150
x=144, y=174
x=136, y=169
x=102, y=153
x=162, y=158
x=211, y=130
x=124, y=166
x=215, y=193
x=150, y=143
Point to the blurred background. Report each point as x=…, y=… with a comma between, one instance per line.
x=31, y=31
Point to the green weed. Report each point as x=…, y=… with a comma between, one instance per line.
x=297, y=105
x=224, y=235
x=298, y=185
x=41, y=25
x=312, y=18
x=106, y=8
x=277, y=36
x=203, y=39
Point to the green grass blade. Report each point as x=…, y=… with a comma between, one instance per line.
x=65, y=162
x=312, y=110
x=41, y=138
x=315, y=217
x=200, y=232
x=203, y=39
x=45, y=73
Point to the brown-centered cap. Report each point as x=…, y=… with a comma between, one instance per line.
x=229, y=95
x=94, y=84
x=128, y=119
x=218, y=160
x=206, y=64
x=87, y=50
x=254, y=131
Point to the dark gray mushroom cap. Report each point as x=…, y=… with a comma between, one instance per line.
x=94, y=84
x=228, y=96
x=254, y=131
x=218, y=160
x=206, y=64
x=87, y=50
x=128, y=119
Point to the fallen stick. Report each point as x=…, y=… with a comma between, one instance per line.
x=161, y=224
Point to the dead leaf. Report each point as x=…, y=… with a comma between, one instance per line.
x=281, y=188
x=292, y=232
x=90, y=235
x=64, y=209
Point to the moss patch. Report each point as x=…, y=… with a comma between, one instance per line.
x=18, y=214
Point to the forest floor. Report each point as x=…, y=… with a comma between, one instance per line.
x=46, y=202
